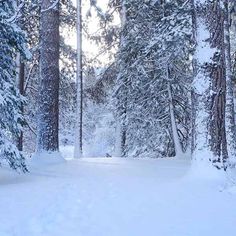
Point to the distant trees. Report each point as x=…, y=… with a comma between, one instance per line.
x=152, y=91
x=166, y=85
x=152, y=96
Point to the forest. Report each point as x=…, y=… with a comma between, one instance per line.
x=118, y=117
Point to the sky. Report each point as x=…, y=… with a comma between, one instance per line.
x=93, y=25
x=89, y=47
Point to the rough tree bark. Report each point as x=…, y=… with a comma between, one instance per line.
x=48, y=111
x=209, y=84
x=230, y=112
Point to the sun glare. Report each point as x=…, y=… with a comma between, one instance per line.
x=90, y=48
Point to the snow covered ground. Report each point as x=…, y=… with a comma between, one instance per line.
x=115, y=197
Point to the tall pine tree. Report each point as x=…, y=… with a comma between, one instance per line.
x=12, y=40
x=48, y=111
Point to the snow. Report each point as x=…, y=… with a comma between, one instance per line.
x=204, y=52
x=116, y=197
x=201, y=85
x=45, y=158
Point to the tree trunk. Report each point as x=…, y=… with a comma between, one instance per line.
x=121, y=139
x=230, y=113
x=21, y=90
x=209, y=85
x=78, y=146
x=48, y=110
x=118, y=152
x=178, y=147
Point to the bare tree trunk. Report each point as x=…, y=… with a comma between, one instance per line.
x=178, y=147
x=230, y=112
x=193, y=93
x=209, y=85
x=48, y=110
x=121, y=139
x=78, y=149
x=124, y=135
x=218, y=86
x=20, y=86
x=117, y=152
x=21, y=90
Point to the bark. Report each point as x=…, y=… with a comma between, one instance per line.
x=123, y=13
x=230, y=113
x=121, y=136
x=193, y=94
x=123, y=139
x=21, y=90
x=78, y=150
x=177, y=144
x=48, y=110
x=118, y=152
x=123, y=125
x=217, y=74
x=209, y=84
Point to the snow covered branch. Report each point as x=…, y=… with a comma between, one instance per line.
x=14, y=17
x=54, y=4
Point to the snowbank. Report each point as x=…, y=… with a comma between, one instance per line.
x=45, y=159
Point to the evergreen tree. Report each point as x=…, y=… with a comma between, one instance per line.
x=210, y=84
x=152, y=95
x=30, y=21
x=48, y=112
x=12, y=40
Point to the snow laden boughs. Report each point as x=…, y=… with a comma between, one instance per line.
x=12, y=40
x=152, y=95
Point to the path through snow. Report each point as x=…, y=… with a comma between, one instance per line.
x=115, y=197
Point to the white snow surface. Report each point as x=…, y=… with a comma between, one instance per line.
x=116, y=197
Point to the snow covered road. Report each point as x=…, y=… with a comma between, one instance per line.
x=115, y=197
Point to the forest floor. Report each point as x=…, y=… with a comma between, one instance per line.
x=116, y=197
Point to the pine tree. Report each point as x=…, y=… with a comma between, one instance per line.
x=150, y=83
x=12, y=40
x=230, y=111
x=30, y=20
x=209, y=84
x=48, y=100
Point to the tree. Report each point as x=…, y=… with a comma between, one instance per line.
x=20, y=84
x=12, y=40
x=230, y=112
x=21, y=21
x=29, y=19
x=78, y=151
x=120, y=145
x=152, y=98
x=209, y=84
x=48, y=99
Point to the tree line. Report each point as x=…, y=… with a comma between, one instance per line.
x=166, y=89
